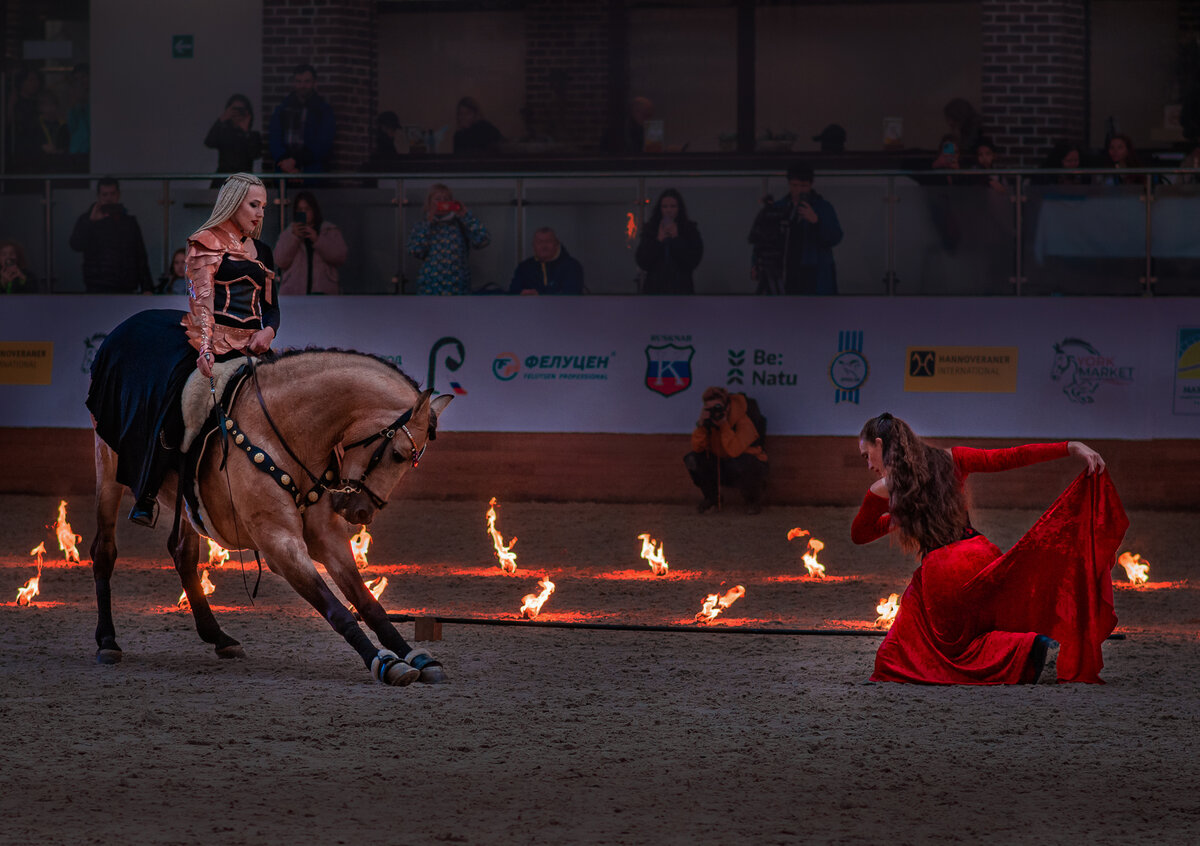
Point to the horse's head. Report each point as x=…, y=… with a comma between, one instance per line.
x=373, y=466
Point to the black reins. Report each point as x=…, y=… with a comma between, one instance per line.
x=344, y=485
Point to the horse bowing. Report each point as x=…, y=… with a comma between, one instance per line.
x=320, y=442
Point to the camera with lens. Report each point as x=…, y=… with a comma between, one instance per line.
x=716, y=413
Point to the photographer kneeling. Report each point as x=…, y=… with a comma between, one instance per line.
x=727, y=450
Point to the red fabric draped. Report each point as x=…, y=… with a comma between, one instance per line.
x=970, y=613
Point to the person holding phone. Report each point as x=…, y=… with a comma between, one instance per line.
x=114, y=254
x=15, y=277
x=443, y=241
x=232, y=135
x=671, y=248
x=310, y=251
x=794, y=239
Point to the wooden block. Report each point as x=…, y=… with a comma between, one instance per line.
x=427, y=628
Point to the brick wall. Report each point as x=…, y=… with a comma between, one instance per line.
x=567, y=79
x=1035, y=75
x=337, y=37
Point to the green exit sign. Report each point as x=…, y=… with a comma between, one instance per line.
x=183, y=46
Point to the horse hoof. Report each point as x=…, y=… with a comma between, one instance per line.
x=108, y=656
x=431, y=670
x=387, y=668
x=234, y=650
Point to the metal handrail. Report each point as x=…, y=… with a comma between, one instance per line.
x=521, y=180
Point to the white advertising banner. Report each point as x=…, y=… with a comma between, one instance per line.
x=985, y=367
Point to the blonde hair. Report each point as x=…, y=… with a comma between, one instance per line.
x=233, y=192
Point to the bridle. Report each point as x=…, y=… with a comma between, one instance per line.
x=384, y=436
x=333, y=470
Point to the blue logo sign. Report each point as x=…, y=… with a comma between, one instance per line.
x=849, y=369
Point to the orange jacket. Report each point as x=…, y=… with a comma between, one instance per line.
x=733, y=436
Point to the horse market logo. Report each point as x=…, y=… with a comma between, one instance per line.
x=91, y=345
x=452, y=363
x=669, y=367
x=506, y=366
x=849, y=369
x=1082, y=369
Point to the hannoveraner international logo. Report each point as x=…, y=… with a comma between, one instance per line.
x=849, y=369
x=1082, y=369
x=963, y=370
x=669, y=367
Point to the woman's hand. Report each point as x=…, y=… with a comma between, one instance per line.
x=261, y=340
x=304, y=231
x=204, y=363
x=1095, y=464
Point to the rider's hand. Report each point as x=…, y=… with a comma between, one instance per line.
x=1095, y=464
x=261, y=340
x=204, y=364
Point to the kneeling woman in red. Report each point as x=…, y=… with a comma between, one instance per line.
x=974, y=615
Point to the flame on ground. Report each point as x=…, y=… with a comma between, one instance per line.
x=653, y=556
x=887, y=609
x=631, y=229
x=531, y=603
x=1136, y=569
x=27, y=591
x=376, y=586
x=814, y=567
x=714, y=603
x=66, y=535
x=217, y=554
x=39, y=551
x=359, y=544
x=205, y=584
x=504, y=554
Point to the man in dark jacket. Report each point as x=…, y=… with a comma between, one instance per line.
x=114, y=254
x=794, y=238
x=550, y=270
x=302, y=127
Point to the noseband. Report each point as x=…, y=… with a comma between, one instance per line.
x=384, y=436
x=333, y=469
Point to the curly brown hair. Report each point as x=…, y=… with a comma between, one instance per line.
x=926, y=499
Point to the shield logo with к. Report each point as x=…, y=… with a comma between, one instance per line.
x=669, y=368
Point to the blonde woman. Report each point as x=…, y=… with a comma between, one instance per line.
x=444, y=240
x=141, y=368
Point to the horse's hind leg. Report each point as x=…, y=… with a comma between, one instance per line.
x=185, y=551
x=104, y=550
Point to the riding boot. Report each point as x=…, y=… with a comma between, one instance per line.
x=145, y=508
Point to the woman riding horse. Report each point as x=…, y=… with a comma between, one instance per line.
x=233, y=308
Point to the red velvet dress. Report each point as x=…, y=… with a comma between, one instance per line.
x=970, y=613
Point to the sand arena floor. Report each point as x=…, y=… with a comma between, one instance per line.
x=550, y=736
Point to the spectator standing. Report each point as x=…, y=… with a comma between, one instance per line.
x=727, y=450
x=53, y=135
x=630, y=135
x=798, y=234
x=550, y=270
x=310, y=252
x=474, y=136
x=15, y=277
x=25, y=137
x=443, y=241
x=964, y=123
x=114, y=254
x=174, y=280
x=386, y=155
x=302, y=127
x=670, y=249
x=232, y=135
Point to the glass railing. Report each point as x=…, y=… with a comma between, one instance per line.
x=906, y=233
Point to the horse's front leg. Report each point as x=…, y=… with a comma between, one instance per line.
x=104, y=550
x=328, y=540
x=287, y=556
x=185, y=552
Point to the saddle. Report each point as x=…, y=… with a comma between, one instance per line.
x=201, y=422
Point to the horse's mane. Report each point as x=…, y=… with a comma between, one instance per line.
x=273, y=357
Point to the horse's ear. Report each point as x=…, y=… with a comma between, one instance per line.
x=438, y=403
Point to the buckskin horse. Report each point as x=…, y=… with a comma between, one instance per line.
x=346, y=428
